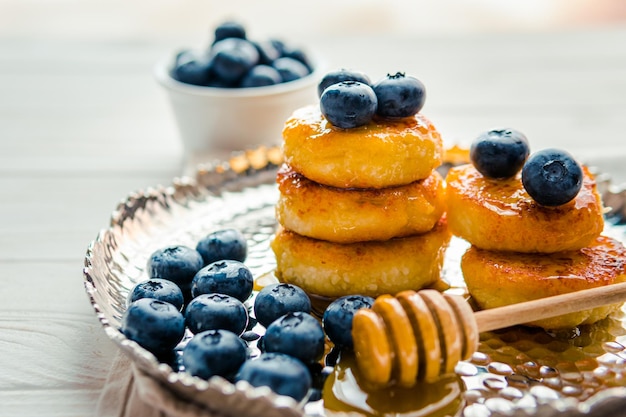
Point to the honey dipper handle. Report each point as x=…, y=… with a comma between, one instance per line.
x=543, y=308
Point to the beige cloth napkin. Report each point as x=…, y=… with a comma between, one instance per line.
x=129, y=392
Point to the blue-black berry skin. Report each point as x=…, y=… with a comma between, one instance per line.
x=348, y=104
x=223, y=244
x=279, y=45
x=338, y=316
x=299, y=55
x=216, y=312
x=268, y=52
x=232, y=58
x=552, y=177
x=214, y=352
x=399, y=96
x=216, y=82
x=224, y=277
x=192, y=68
x=276, y=300
x=175, y=263
x=290, y=69
x=499, y=153
x=340, y=75
x=282, y=373
x=156, y=325
x=229, y=29
x=261, y=75
x=159, y=289
x=296, y=334
x=250, y=336
x=232, y=55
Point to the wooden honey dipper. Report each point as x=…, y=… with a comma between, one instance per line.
x=422, y=335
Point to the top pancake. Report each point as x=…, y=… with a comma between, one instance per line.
x=498, y=214
x=381, y=154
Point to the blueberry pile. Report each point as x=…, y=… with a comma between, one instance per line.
x=348, y=99
x=234, y=61
x=198, y=313
x=552, y=177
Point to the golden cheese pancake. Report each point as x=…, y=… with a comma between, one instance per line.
x=347, y=215
x=383, y=153
x=496, y=279
x=498, y=214
x=372, y=268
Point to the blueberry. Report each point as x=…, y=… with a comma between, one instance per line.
x=156, y=325
x=184, y=55
x=299, y=55
x=332, y=357
x=268, y=52
x=216, y=311
x=290, y=69
x=279, y=45
x=216, y=82
x=192, y=68
x=348, y=104
x=340, y=75
x=214, y=352
x=260, y=344
x=233, y=58
x=337, y=318
x=399, y=96
x=277, y=300
x=229, y=29
x=319, y=375
x=552, y=177
x=251, y=323
x=225, y=277
x=159, y=289
x=250, y=336
x=223, y=244
x=283, y=374
x=177, y=263
x=261, y=75
x=296, y=334
x=316, y=394
x=499, y=153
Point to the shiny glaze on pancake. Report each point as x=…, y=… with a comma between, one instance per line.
x=495, y=278
x=500, y=215
x=353, y=215
x=380, y=154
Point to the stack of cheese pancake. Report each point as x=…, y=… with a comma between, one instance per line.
x=522, y=250
x=360, y=209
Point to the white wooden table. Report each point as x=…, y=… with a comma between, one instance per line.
x=82, y=124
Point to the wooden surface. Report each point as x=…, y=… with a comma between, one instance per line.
x=82, y=124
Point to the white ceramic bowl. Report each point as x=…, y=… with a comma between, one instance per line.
x=211, y=118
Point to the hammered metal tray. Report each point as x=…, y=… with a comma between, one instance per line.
x=517, y=371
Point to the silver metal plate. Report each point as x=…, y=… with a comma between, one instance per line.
x=502, y=378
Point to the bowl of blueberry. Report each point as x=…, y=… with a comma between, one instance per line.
x=237, y=92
